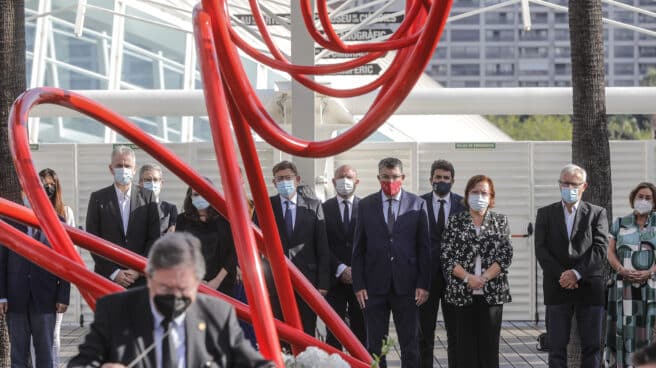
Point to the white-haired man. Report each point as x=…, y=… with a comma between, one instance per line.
x=123, y=214
x=571, y=237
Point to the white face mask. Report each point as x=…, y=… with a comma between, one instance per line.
x=478, y=202
x=642, y=206
x=155, y=187
x=123, y=175
x=344, y=186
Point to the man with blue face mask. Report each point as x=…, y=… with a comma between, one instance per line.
x=571, y=237
x=440, y=203
x=123, y=214
x=302, y=230
x=150, y=177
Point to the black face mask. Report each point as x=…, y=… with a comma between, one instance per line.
x=171, y=306
x=50, y=190
x=441, y=188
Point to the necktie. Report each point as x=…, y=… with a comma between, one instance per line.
x=440, y=217
x=390, y=216
x=289, y=224
x=169, y=359
x=347, y=216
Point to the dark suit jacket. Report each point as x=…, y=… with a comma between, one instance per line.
x=308, y=246
x=436, y=240
x=340, y=242
x=123, y=328
x=401, y=259
x=104, y=220
x=589, y=241
x=23, y=283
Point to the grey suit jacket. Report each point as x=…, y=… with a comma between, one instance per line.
x=589, y=240
x=123, y=328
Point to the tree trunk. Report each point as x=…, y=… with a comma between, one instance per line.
x=590, y=148
x=12, y=83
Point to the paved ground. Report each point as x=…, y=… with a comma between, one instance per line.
x=517, y=348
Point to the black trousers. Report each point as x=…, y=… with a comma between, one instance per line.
x=478, y=327
x=588, y=320
x=428, y=322
x=308, y=317
x=342, y=298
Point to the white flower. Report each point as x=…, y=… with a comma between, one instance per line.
x=314, y=357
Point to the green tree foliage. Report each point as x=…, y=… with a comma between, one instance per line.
x=535, y=127
x=559, y=127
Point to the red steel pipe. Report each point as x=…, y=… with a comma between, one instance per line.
x=238, y=212
x=304, y=288
x=261, y=122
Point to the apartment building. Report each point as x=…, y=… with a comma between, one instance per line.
x=492, y=49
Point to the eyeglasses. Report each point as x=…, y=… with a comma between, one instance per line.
x=569, y=184
x=385, y=177
x=283, y=178
x=152, y=180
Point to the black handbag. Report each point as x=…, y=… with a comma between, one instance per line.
x=543, y=342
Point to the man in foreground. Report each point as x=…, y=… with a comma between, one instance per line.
x=167, y=324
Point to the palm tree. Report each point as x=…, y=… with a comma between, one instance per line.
x=590, y=148
x=12, y=83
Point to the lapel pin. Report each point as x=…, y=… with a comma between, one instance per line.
x=202, y=326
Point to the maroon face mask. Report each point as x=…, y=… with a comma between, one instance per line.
x=391, y=188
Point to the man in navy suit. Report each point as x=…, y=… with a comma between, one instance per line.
x=391, y=262
x=441, y=203
x=30, y=297
x=571, y=237
x=341, y=215
x=302, y=229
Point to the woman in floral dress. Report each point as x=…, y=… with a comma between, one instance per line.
x=476, y=255
x=631, y=299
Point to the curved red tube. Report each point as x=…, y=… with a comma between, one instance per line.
x=255, y=113
x=229, y=94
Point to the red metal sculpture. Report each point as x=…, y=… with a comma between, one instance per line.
x=231, y=99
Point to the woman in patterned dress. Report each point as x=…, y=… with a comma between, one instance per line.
x=631, y=310
x=476, y=255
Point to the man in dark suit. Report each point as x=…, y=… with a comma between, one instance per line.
x=571, y=237
x=440, y=203
x=302, y=229
x=341, y=215
x=168, y=324
x=391, y=262
x=30, y=297
x=123, y=214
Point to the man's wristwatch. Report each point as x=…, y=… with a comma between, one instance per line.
x=652, y=276
x=466, y=280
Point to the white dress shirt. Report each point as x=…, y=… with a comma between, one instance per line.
x=446, y=205
x=395, y=204
x=569, y=222
x=340, y=203
x=177, y=334
x=292, y=207
x=124, y=208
